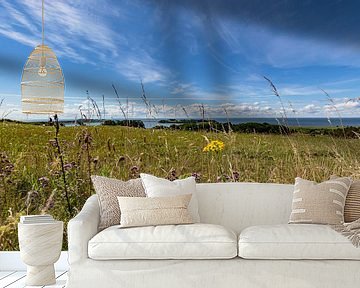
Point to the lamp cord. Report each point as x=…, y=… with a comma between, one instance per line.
x=43, y=23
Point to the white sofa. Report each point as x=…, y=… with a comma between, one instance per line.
x=246, y=242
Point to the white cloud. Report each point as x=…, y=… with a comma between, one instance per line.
x=241, y=92
x=230, y=110
x=181, y=88
x=69, y=28
x=295, y=90
x=81, y=32
x=310, y=109
x=143, y=67
x=347, y=106
x=8, y=32
x=259, y=45
x=137, y=109
x=21, y=19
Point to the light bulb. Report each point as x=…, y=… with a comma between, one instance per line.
x=42, y=70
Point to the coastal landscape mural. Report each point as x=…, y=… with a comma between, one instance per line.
x=226, y=91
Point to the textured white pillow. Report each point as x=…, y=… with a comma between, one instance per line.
x=160, y=187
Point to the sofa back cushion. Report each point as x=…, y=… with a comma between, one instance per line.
x=239, y=205
x=107, y=189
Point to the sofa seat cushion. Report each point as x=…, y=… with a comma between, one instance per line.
x=192, y=241
x=295, y=241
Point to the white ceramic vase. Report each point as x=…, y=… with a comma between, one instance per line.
x=40, y=247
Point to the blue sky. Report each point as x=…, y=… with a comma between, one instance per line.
x=188, y=53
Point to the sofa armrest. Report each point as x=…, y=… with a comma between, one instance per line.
x=82, y=228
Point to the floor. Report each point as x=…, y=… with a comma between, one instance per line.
x=16, y=279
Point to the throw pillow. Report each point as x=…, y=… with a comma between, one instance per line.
x=320, y=203
x=107, y=190
x=139, y=211
x=352, y=202
x=160, y=187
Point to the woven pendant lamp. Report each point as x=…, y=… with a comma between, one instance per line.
x=42, y=81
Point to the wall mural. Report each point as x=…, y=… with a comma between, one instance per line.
x=225, y=91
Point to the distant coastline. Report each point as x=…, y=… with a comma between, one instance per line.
x=153, y=122
x=292, y=122
x=347, y=127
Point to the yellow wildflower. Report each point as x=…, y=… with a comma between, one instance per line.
x=214, y=146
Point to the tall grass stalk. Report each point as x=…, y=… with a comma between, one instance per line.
x=62, y=165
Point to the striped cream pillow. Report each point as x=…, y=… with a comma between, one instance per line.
x=146, y=211
x=352, y=203
x=320, y=203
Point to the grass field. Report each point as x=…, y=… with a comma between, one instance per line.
x=31, y=178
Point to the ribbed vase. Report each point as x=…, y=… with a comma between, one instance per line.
x=40, y=247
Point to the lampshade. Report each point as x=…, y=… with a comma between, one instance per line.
x=42, y=83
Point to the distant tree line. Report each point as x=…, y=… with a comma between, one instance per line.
x=212, y=125
x=265, y=128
